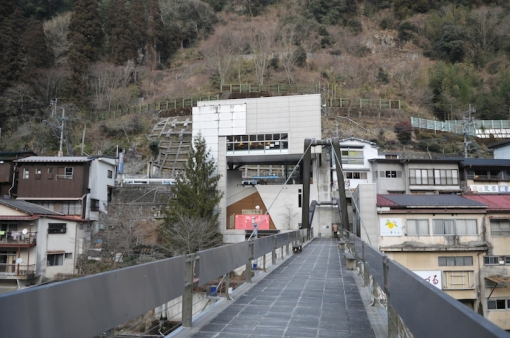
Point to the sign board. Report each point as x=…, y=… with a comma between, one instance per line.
x=244, y=221
x=433, y=277
x=390, y=226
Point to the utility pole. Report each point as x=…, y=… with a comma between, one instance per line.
x=468, y=125
x=54, y=106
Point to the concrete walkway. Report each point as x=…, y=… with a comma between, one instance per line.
x=310, y=294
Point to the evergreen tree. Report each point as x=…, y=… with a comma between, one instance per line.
x=12, y=28
x=36, y=49
x=86, y=22
x=122, y=45
x=191, y=219
x=86, y=36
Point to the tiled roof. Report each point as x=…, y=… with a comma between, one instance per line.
x=495, y=202
x=45, y=159
x=27, y=207
x=435, y=201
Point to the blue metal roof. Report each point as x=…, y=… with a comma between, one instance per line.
x=433, y=201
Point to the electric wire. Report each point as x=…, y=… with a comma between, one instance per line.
x=278, y=194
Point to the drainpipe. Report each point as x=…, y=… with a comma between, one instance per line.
x=13, y=179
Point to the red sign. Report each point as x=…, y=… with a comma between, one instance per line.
x=245, y=222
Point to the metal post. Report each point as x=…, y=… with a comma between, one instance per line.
x=187, y=297
x=392, y=314
x=249, y=266
x=273, y=253
x=227, y=286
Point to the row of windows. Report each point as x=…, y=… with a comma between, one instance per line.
x=420, y=227
x=352, y=156
x=266, y=142
x=468, y=260
x=434, y=176
x=67, y=173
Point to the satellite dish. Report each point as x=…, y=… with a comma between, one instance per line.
x=24, y=231
x=19, y=260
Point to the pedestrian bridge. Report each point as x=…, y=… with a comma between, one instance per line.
x=330, y=288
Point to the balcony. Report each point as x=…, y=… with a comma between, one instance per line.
x=18, y=239
x=17, y=271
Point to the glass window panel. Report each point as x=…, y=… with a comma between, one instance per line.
x=468, y=261
x=450, y=261
x=441, y=261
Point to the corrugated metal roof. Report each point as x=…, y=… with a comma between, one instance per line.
x=27, y=207
x=40, y=159
x=499, y=279
x=383, y=202
x=485, y=162
x=495, y=202
x=433, y=201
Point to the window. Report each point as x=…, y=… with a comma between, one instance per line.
x=355, y=175
x=57, y=228
x=455, y=261
x=69, y=172
x=261, y=142
x=493, y=260
x=26, y=173
x=458, y=280
x=68, y=255
x=498, y=304
x=94, y=205
x=55, y=259
x=434, y=176
x=352, y=156
x=417, y=227
x=50, y=173
x=390, y=174
x=110, y=174
x=455, y=227
x=500, y=227
x=443, y=227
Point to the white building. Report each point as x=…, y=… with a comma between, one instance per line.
x=36, y=243
x=257, y=131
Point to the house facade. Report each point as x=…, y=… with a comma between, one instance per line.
x=8, y=173
x=495, y=269
x=416, y=176
x=75, y=186
x=485, y=176
x=440, y=237
x=356, y=154
x=37, y=244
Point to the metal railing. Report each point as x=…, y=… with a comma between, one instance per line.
x=17, y=270
x=413, y=304
x=92, y=305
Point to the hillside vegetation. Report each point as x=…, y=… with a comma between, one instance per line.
x=435, y=56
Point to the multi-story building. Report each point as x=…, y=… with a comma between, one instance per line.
x=356, y=154
x=266, y=131
x=494, y=277
x=441, y=238
x=37, y=244
x=485, y=176
x=74, y=186
x=8, y=174
x=416, y=176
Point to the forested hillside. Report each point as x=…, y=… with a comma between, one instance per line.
x=435, y=56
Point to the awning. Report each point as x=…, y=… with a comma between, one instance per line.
x=499, y=279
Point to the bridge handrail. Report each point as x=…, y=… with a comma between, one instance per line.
x=91, y=305
x=436, y=315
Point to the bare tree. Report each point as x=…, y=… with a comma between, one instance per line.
x=483, y=24
x=56, y=30
x=219, y=50
x=48, y=83
x=261, y=42
x=191, y=234
x=287, y=45
x=106, y=78
x=288, y=215
x=122, y=232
